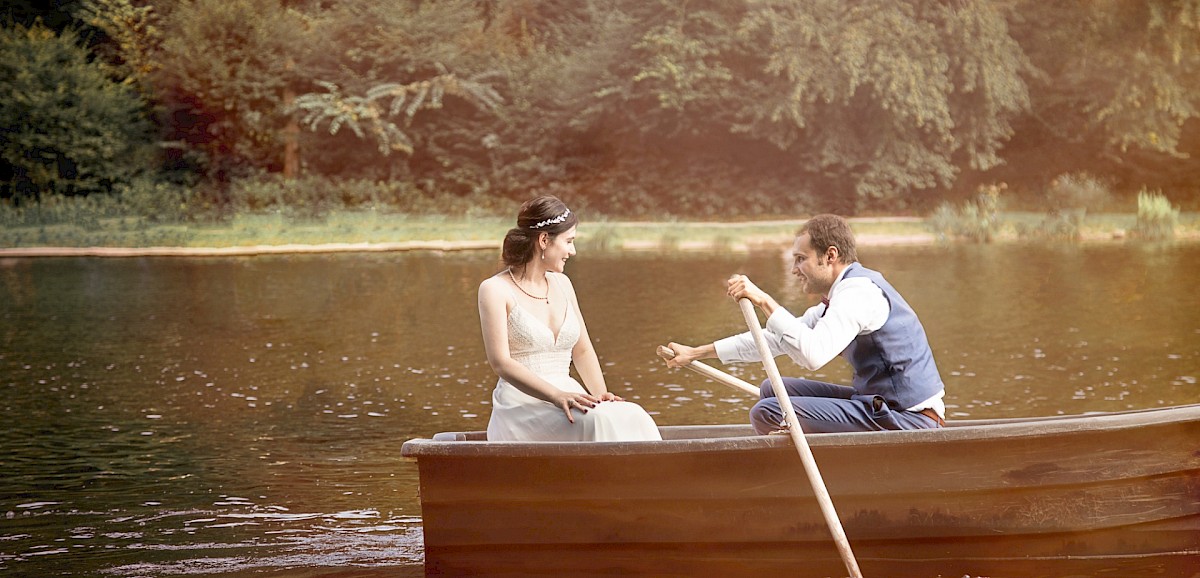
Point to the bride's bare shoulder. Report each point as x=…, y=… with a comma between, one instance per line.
x=562, y=277
x=565, y=282
x=492, y=284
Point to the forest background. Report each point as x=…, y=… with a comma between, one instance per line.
x=201, y=111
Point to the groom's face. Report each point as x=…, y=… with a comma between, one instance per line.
x=811, y=267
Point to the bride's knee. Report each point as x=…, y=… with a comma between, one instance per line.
x=607, y=409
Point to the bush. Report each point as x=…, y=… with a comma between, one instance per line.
x=155, y=202
x=1078, y=192
x=977, y=220
x=313, y=198
x=1056, y=225
x=1070, y=196
x=1156, y=218
x=65, y=127
x=143, y=201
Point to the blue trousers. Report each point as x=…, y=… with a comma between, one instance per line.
x=824, y=407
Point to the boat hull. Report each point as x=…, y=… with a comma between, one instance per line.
x=721, y=501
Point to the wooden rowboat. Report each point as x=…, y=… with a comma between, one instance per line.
x=1098, y=489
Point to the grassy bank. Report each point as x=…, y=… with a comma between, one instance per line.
x=356, y=227
x=371, y=228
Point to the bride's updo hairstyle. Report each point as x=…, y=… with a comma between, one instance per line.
x=539, y=215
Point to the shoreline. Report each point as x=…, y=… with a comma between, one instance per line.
x=246, y=250
x=443, y=246
x=686, y=236
x=263, y=237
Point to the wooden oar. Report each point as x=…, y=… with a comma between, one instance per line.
x=712, y=373
x=793, y=426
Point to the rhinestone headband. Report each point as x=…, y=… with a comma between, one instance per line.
x=554, y=221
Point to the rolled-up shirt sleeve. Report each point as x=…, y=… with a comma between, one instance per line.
x=812, y=340
x=741, y=347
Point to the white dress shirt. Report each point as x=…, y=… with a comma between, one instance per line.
x=856, y=307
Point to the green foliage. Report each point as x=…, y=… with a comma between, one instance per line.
x=682, y=68
x=1077, y=192
x=55, y=15
x=655, y=108
x=943, y=221
x=141, y=201
x=134, y=32
x=83, y=212
x=367, y=115
x=1156, y=217
x=65, y=127
x=1062, y=226
x=884, y=95
x=1153, y=90
x=682, y=80
x=1069, y=198
x=155, y=202
x=1121, y=83
x=314, y=198
x=303, y=198
x=977, y=220
x=401, y=59
x=226, y=66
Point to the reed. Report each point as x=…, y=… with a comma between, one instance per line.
x=1156, y=217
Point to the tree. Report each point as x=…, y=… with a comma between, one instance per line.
x=55, y=15
x=854, y=105
x=656, y=106
x=65, y=127
x=223, y=70
x=372, y=113
x=1129, y=75
x=880, y=99
x=1120, y=86
x=387, y=84
x=134, y=37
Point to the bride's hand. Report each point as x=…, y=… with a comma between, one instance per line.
x=579, y=401
x=609, y=396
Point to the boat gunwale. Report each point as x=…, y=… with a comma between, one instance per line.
x=696, y=438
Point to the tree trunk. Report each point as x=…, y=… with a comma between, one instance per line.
x=291, y=144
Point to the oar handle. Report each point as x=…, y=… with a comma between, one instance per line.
x=797, y=435
x=712, y=373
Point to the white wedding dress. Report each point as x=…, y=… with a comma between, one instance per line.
x=518, y=416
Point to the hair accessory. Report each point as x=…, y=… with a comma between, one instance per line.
x=554, y=221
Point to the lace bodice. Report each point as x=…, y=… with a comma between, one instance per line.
x=519, y=416
x=533, y=344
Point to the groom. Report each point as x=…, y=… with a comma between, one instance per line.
x=896, y=384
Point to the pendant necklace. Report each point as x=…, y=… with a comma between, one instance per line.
x=546, y=298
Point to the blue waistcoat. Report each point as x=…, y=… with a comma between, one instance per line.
x=894, y=361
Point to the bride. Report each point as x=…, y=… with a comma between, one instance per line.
x=533, y=331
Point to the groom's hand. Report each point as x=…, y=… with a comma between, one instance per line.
x=741, y=287
x=684, y=355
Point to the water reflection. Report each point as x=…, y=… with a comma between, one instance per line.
x=217, y=416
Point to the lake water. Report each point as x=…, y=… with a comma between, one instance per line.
x=234, y=416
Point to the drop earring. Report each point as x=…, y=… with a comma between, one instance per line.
x=543, y=254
